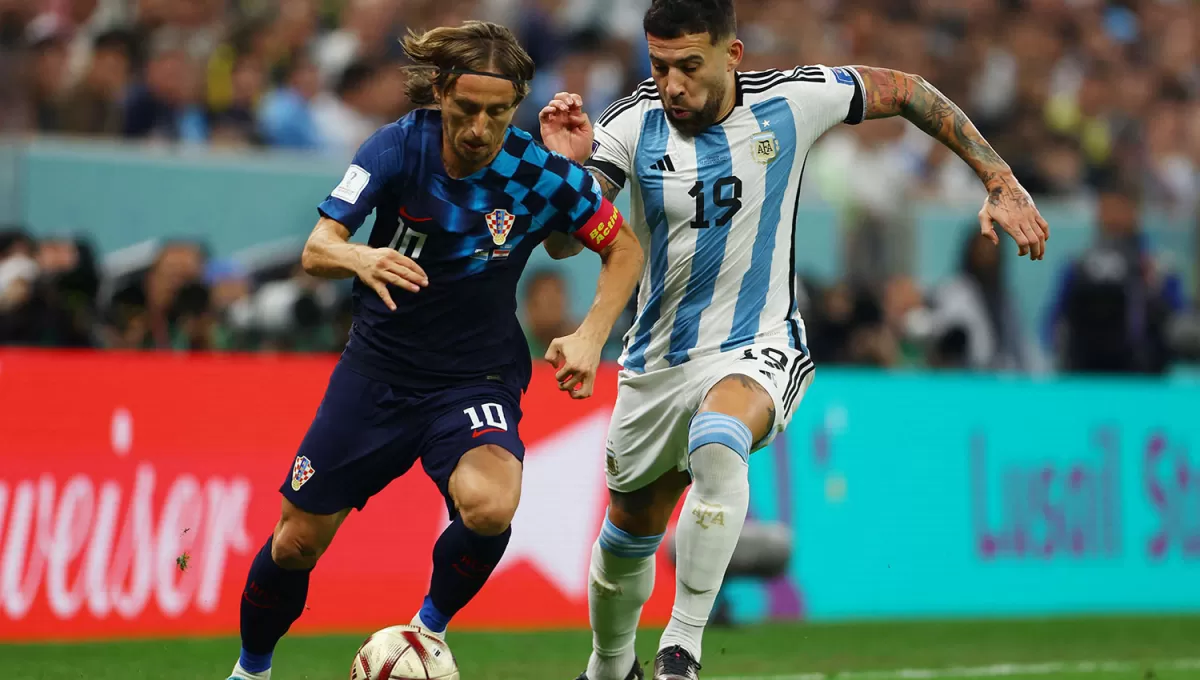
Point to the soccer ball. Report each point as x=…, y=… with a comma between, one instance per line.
x=403, y=653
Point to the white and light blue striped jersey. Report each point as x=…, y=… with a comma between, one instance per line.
x=716, y=212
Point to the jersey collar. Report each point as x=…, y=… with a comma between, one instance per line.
x=738, y=97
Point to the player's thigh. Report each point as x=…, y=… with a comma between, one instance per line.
x=760, y=385
x=647, y=435
x=472, y=450
x=300, y=538
x=363, y=436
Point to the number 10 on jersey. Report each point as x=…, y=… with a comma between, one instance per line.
x=408, y=241
x=726, y=193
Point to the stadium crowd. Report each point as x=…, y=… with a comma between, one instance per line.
x=1087, y=99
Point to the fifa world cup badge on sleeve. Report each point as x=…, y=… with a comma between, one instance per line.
x=765, y=145
x=301, y=472
x=499, y=223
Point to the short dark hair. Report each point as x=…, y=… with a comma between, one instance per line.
x=677, y=18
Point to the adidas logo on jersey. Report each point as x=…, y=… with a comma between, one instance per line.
x=664, y=164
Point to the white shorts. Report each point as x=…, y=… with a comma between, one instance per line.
x=648, y=435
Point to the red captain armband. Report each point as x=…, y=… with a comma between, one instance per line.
x=602, y=228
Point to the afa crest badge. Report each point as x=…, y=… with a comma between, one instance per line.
x=302, y=471
x=764, y=146
x=499, y=223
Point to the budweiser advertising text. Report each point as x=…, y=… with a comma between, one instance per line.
x=135, y=489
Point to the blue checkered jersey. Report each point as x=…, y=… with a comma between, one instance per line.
x=472, y=236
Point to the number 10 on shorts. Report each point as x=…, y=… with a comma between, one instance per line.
x=493, y=418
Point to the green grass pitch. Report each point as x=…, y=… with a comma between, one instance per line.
x=1059, y=649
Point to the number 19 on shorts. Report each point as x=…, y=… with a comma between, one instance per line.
x=493, y=418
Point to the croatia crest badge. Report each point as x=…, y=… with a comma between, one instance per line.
x=301, y=472
x=499, y=223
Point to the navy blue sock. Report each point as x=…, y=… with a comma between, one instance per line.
x=273, y=599
x=462, y=562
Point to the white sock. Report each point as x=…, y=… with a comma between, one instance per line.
x=416, y=621
x=713, y=514
x=242, y=674
x=620, y=580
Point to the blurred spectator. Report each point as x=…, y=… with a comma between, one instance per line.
x=194, y=321
x=902, y=307
x=13, y=242
x=95, y=106
x=163, y=107
x=235, y=123
x=286, y=118
x=47, y=298
x=848, y=327
x=974, y=310
x=545, y=309
x=48, y=47
x=149, y=306
x=1114, y=303
x=292, y=314
x=367, y=27
x=345, y=120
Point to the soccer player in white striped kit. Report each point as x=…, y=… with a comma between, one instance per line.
x=716, y=360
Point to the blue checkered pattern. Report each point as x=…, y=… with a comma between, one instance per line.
x=463, y=325
x=559, y=194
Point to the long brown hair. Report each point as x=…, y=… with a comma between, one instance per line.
x=473, y=46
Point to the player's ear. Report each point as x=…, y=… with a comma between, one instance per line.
x=737, y=49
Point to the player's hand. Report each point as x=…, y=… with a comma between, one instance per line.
x=577, y=357
x=566, y=128
x=1011, y=207
x=383, y=267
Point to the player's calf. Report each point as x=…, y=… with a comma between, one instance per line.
x=277, y=585
x=719, y=445
x=485, y=489
x=300, y=538
x=621, y=573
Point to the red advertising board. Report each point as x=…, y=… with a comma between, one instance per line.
x=115, y=466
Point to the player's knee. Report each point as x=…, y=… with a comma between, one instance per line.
x=295, y=549
x=487, y=516
x=743, y=398
x=710, y=429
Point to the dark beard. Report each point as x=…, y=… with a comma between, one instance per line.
x=701, y=121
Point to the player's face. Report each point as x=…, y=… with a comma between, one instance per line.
x=475, y=114
x=695, y=78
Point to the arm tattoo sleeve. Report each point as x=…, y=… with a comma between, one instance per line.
x=607, y=188
x=894, y=93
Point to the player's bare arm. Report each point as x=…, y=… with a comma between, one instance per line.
x=330, y=255
x=895, y=93
x=577, y=356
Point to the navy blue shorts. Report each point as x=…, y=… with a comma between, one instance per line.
x=367, y=433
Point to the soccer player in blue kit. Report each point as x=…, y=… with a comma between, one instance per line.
x=436, y=361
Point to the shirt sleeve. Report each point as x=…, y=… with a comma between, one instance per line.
x=616, y=135
x=827, y=96
x=581, y=209
x=376, y=164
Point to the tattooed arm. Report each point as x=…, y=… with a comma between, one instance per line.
x=894, y=93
